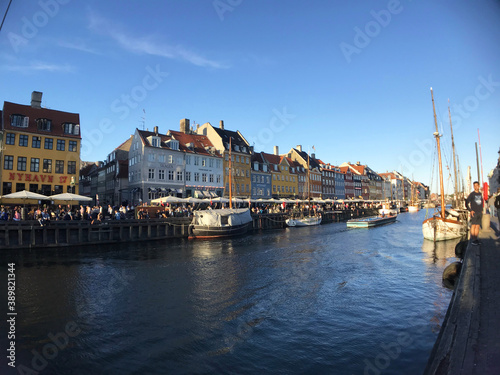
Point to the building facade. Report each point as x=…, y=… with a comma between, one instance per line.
x=40, y=149
x=261, y=178
x=228, y=142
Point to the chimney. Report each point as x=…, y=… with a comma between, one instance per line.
x=221, y=124
x=358, y=163
x=155, y=130
x=36, y=99
x=197, y=127
x=313, y=156
x=299, y=147
x=185, y=126
x=276, y=150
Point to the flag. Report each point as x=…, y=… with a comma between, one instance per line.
x=314, y=148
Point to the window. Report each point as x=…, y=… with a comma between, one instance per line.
x=72, y=146
x=156, y=142
x=10, y=139
x=7, y=188
x=188, y=176
x=151, y=174
x=59, y=166
x=170, y=159
x=71, y=167
x=49, y=143
x=203, y=162
x=211, y=163
x=70, y=128
x=35, y=142
x=44, y=124
x=21, y=163
x=47, y=165
x=188, y=159
x=161, y=174
x=19, y=121
x=23, y=140
x=179, y=176
x=34, y=188
x=35, y=165
x=218, y=178
x=211, y=178
x=58, y=189
x=196, y=176
x=20, y=186
x=218, y=163
x=196, y=160
x=203, y=177
x=8, y=162
x=171, y=175
x=61, y=144
x=151, y=157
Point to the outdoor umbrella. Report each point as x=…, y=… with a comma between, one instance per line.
x=169, y=199
x=24, y=195
x=70, y=197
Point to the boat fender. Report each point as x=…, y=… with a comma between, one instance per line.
x=460, y=249
x=451, y=274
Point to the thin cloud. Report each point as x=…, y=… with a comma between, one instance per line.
x=149, y=46
x=39, y=66
x=79, y=46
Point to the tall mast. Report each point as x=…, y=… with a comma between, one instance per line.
x=230, y=175
x=308, y=181
x=436, y=134
x=455, y=197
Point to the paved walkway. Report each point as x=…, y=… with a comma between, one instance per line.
x=469, y=340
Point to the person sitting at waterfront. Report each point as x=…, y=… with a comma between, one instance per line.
x=17, y=215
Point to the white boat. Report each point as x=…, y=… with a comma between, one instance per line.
x=222, y=222
x=444, y=225
x=388, y=209
x=303, y=222
x=437, y=228
x=413, y=208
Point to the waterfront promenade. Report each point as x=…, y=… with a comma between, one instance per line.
x=469, y=340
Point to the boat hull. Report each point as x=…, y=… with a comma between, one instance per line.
x=438, y=229
x=370, y=222
x=388, y=211
x=413, y=208
x=305, y=222
x=202, y=231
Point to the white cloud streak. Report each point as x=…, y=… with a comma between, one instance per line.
x=147, y=45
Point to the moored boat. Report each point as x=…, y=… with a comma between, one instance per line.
x=413, y=208
x=372, y=221
x=303, y=222
x=223, y=222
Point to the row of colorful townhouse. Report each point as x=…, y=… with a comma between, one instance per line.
x=200, y=161
x=41, y=152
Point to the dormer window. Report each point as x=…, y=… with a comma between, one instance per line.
x=19, y=121
x=255, y=166
x=173, y=144
x=71, y=128
x=243, y=149
x=236, y=148
x=44, y=124
x=264, y=168
x=155, y=141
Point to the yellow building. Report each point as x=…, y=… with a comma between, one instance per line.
x=284, y=179
x=40, y=149
x=241, y=155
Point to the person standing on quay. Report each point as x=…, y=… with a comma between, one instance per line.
x=474, y=204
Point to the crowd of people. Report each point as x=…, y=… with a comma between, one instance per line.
x=99, y=213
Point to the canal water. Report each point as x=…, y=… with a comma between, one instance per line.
x=317, y=300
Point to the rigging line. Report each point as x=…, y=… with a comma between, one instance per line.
x=5, y=15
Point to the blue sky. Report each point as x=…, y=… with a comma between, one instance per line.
x=351, y=79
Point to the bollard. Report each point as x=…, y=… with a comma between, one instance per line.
x=485, y=223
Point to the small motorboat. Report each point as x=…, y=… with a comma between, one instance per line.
x=372, y=221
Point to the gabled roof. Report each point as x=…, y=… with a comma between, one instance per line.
x=144, y=134
x=200, y=143
x=57, y=118
x=271, y=158
x=125, y=146
x=236, y=139
x=313, y=163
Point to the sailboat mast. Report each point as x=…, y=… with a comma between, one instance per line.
x=230, y=175
x=436, y=134
x=454, y=158
x=308, y=181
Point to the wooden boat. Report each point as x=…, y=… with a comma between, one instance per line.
x=222, y=222
x=372, y=221
x=442, y=226
x=413, y=208
x=303, y=222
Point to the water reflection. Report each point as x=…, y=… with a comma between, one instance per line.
x=439, y=252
